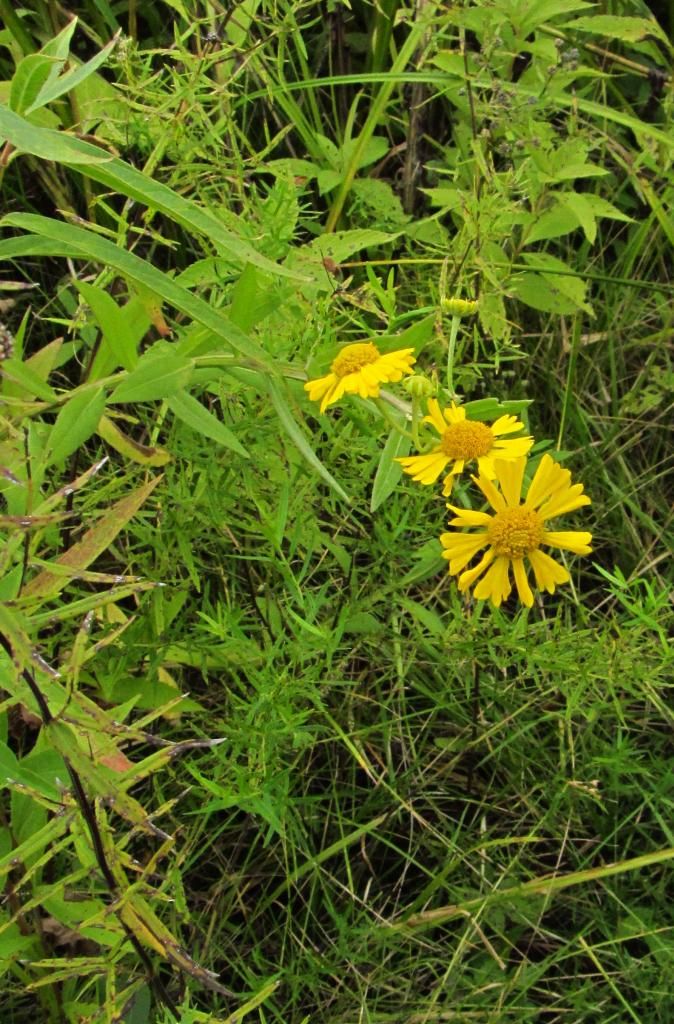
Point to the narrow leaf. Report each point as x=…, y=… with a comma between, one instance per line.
x=159, y=374
x=195, y=415
x=75, y=423
x=388, y=471
x=94, y=542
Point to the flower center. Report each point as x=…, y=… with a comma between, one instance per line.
x=467, y=440
x=354, y=358
x=515, y=531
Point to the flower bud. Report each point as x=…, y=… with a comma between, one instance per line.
x=418, y=386
x=459, y=307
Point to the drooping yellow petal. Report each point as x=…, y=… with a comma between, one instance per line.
x=522, y=583
x=495, y=585
x=459, y=554
x=318, y=387
x=510, y=474
x=467, y=579
x=548, y=573
x=577, y=541
x=425, y=469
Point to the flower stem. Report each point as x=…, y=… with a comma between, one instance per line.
x=451, y=349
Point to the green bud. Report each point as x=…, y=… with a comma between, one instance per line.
x=418, y=386
x=459, y=307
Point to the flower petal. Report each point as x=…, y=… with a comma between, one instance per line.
x=548, y=573
x=510, y=476
x=425, y=469
x=435, y=417
x=496, y=500
x=506, y=425
x=496, y=585
x=512, y=447
x=548, y=478
x=468, y=517
x=468, y=578
x=454, y=413
x=570, y=540
x=459, y=554
x=566, y=501
x=522, y=583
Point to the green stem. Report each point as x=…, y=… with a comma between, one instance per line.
x=381, y=405
x=451, y=349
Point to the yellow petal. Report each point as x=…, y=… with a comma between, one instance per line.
x=425, y=469
x=512, y=447
x=454, y=413
x=459, y=555
x=566, y=501
x=522, y=583
x=496, y=584
x=469, y=517
x=548, y=573
x=319, y=386
x=495, y=499
x=468, y=578
x=506, y=425
x=548, y=478
x=435, y=417
x=509, y=476
x=570, y=540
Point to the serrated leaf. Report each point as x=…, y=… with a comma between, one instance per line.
x=75, y=423
x=190, y=411
x=388, y=471
x=158, y=374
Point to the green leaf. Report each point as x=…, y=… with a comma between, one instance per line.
x=75, y=423
x=195, y=415
x=63, y=84
x=120, y=338
x=119, y=176
x=30, y=383
x=158, y=374
x=30, y=77
x=93, y=543
x=388, y=471
x=551, y=224
x=77, y=242
x=611, y=26
x=560, y=280
x=292, y=428
x=534, y=291
x=581, y=209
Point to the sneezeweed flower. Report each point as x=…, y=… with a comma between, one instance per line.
x=359, y=370
x=463, y=440
x=516, y=531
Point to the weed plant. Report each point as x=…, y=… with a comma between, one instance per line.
x=260, y=757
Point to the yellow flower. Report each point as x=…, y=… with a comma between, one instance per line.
x=359, y=370
x=461, y=441
x=516, y=531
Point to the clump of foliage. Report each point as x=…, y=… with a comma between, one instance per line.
x=259, y=757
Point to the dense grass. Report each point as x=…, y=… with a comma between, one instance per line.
x=394, y=804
